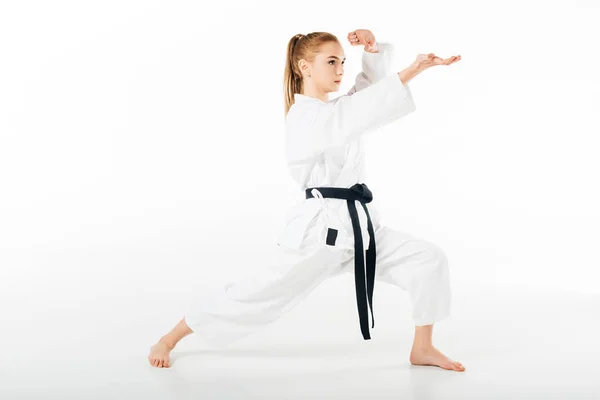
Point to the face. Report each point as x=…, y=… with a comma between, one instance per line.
x=327, y=69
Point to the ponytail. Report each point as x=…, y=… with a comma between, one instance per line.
x=300, y=47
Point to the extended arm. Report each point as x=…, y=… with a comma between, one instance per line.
x=325, y=125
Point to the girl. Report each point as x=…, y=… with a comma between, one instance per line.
x=326, y=233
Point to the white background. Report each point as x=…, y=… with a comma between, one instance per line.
x=142, y=158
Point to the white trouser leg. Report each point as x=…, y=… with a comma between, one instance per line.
x=417, y=266
x=265, y=294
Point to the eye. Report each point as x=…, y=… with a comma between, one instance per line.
x=333, y=61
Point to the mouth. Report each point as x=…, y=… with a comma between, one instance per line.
x=338, y=82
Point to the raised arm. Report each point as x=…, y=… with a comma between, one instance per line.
x=375, y=66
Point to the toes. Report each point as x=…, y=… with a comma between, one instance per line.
x=447, y=366
x=159, y=362
x=452, y=365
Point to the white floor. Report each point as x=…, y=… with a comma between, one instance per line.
x=514, y=343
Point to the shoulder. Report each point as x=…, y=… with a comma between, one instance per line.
x=302, y=113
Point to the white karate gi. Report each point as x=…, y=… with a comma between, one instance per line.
x=324, y=148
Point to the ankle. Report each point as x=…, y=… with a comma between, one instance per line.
x=168, y=341
x=422, y=346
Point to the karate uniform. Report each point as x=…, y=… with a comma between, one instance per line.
x=324, y=148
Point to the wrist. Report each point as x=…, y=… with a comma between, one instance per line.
x=416, y=68
x=373, y=49
x=409, y=72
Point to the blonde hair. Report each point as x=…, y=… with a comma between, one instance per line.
x=300, y=47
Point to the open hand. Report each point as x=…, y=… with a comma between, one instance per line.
x=363, y=37
x=425, y=61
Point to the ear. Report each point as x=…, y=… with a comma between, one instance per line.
x=304, y=67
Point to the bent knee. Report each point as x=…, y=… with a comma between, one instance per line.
x=437, y=256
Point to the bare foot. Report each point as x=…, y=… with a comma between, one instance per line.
x=432, y=356
x=159, y=354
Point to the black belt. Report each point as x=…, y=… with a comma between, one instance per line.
x=359, y=192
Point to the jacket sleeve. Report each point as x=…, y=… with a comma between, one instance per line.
x=338, y=122
x=375, y=66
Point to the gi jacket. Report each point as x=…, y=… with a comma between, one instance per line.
x=323, y=145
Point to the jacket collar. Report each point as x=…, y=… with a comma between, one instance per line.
x=301, y=97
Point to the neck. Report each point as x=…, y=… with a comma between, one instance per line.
x=312, y=91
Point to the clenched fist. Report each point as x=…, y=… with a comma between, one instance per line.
x=363, y=37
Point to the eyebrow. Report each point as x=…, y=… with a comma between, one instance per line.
x=336, y=57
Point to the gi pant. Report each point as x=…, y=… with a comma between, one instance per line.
x=248, y=304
